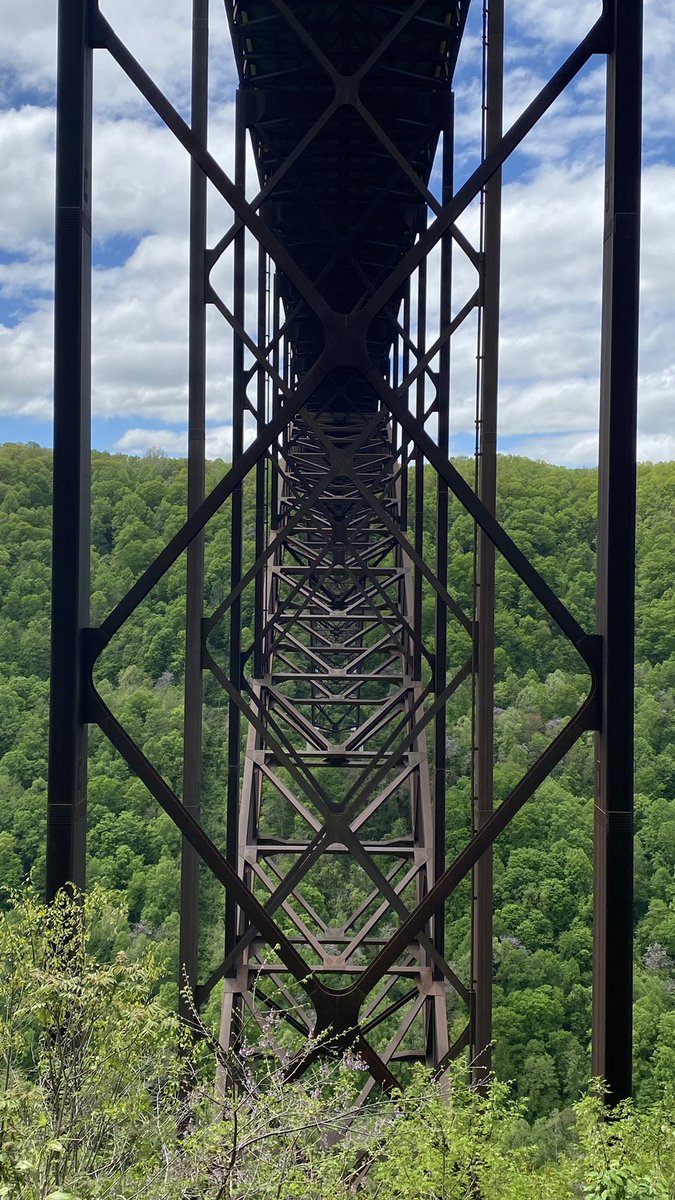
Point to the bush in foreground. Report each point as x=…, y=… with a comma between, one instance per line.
x=101, y=1095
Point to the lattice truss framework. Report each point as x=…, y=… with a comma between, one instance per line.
x=345, y=380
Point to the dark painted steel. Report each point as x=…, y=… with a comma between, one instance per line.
x=418, y=519
x=442, y=530
x=261, y=501
x=613, y=982
x=236, y=530
x=188, y=955
x=481, y=1055
x=66, y=814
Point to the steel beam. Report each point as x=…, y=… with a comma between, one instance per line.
x=192, y=721
x=613, y=980
x=66, y=815
x=438, y=1033
x=236, y=527
x=481, y=1043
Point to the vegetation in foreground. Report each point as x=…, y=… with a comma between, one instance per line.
x=102, y=1096
x=543, y=861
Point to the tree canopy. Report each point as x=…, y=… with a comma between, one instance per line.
x=543, y=861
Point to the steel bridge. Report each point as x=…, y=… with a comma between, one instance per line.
x=334, y=280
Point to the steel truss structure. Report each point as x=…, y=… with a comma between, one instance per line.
x=342, y=367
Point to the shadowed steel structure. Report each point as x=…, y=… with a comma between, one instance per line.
x=334, y=281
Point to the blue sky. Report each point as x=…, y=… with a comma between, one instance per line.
x=551, y=252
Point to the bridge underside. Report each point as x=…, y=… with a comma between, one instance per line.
x=345, y=104
x=335, y=282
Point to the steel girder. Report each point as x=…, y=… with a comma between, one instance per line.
x=345, y=104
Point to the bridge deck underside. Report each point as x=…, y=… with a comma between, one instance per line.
x=345, y=102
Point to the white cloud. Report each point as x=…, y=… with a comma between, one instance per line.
x=25, y=353
x=656, y=400
x=28, y=45
x=571, y=450
x=550, y=406
x=157, y=32
x=27, y=278
x=656, y=449
x=170, y=441
x=26, y=178
x=659, y=94
x=140, y=180
x=554, y=25
x=139, y=359
x=551, y=255
x=140, y=192
x=140, y=441
x=581, y=449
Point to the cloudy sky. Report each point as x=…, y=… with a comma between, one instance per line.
x=551, y=252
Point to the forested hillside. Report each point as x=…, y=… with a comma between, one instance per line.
x=543, y=867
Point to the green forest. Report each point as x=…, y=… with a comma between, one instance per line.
x=543, y=862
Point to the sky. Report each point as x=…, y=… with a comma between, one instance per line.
x=552, y=235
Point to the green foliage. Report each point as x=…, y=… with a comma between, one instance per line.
x=543, y=861
x=89, y=1060
x=101, y=1096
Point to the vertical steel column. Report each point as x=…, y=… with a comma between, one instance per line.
x=487, y=490
x=276, y=359
x=192, y=723
x=238, y=401
x=420, y=341
x=66, y=814
x=260, y=471
x=613, y=975
x=442, y=500
x=405, y=368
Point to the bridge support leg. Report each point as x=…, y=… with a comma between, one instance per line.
x=192, y=733
x=613, y=982
x=236, y=544
x=481, y=1051
x=66, y=816
x=439, y=1046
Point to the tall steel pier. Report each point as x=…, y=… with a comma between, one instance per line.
x=334, y=281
